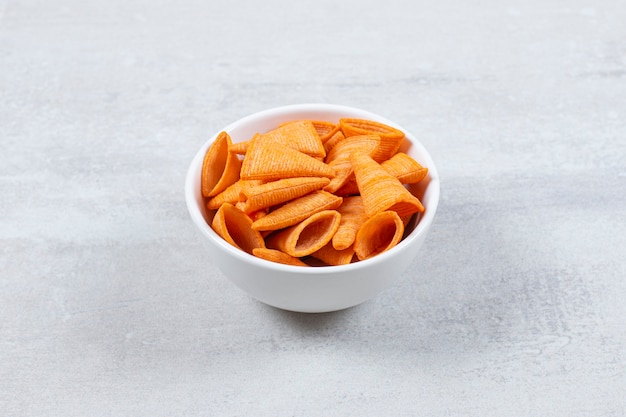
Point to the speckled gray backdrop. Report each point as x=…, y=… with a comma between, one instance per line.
x=515, y=306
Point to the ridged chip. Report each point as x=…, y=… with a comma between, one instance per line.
x=308, y=236
x=380, y=190
x=378, y=234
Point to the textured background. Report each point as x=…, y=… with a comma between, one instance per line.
x=515, y=307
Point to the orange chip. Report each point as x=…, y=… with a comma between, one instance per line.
x=378, y=234
x=280, y=191
x=232, y=194
x=277, y=256
x=220, y=168
x=407, y=172
x=269, y=160
x=331, y=256
x=300, y=135
x=353, y=127
x=297, y=210
x=240, y=205
x=240, y=148
x=308, y=236
x=325, y=129
x=380, y=190
x=350, y=188
x=391, y=138
x=406, y=169
x=352, y=217
x=333, y=140
x=345, y=148
x=406, y=220
x=234, y=226
x=343, y=173
x=256, y=215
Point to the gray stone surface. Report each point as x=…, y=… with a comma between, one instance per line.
x=515, y=307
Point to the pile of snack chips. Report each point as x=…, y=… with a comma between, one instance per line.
x=312, y=192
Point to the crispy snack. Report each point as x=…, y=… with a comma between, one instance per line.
x=330, y=143
x=234, y=226
x=300, y=135
x=353, y=127
x=346, y=147
x=406, y=169
x=297, y=210
x=378, y=234
x=232, y=194
x=352, y=217
x=269, y=160
x=220, y=168
x=324, y=129
x=240, y=148
x=391, y=138
x=331, y=256
x=343, y=173
x=277, y=256
x=308, y=236
x=256, y=215
x=401, y=166
x=350, y=188
x=380, y=190
x=280, y=191
x=240, y=205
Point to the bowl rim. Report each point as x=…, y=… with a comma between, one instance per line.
x=422, y=226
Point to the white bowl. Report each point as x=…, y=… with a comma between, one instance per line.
x=314, y=289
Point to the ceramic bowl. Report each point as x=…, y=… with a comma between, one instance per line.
x=312, y=289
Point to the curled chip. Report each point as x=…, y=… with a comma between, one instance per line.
x=331, y=256
x=325, y=129
x=380, y=190
x=277, y=256
x=220, y=168
x=234, y=226
x=378, y=234
x=352, y=217
x=297, y=210
x=308, y=236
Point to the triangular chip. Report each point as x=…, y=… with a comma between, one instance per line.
x=308, y=236
x=391, y=138
x=269, y=160
x=353, y=127
x=343, y=173
x=300, y=135
x=333, y=140
x=406, y=169
x=324, y=129
x=232, y=194
x=380, y=190
x=280, y=191
x=297, y=210
x=346, y=147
